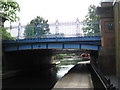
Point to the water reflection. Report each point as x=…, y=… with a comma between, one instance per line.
x=38, y=77
x=63, y=70
x=65, y=65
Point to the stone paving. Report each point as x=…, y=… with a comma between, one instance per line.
x=77, y=77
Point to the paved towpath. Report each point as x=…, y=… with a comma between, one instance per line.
x=78, y=77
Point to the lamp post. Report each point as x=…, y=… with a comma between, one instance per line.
x=19, y=28
x=57, y=27
x=77, y=27
x=36, y=28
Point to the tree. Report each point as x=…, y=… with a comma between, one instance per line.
x=8, y=10
x=59, y=56
x=91, y=27
x=5, y=35
x=37, y=27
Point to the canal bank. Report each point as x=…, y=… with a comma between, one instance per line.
x=77, y=77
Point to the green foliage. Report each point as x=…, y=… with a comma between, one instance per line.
x=37, y=27
x=91, y=29
x=69, y=54
x=59, y=56
x=5, y=35
x=8, y=9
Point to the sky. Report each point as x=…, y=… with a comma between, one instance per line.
x=52, y=10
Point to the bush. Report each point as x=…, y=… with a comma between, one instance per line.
x=4, y=35
x=59, y=56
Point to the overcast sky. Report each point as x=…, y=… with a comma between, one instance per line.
x=63, y=10
x=52, y=10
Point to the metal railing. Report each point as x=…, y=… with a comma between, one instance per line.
x=101, y=80
x=63, y=29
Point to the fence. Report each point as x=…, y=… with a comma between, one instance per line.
x=101, y=82
x=63, y=29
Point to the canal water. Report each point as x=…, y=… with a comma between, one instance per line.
x=41, y=78
x=65, y=65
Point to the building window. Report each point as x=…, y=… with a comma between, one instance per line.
x=110, y=26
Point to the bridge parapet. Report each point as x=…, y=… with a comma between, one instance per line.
x=67, y=35
x=88, y=43
x=57, y=29
x=56, y=39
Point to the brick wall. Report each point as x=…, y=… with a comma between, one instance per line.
x=106, y=60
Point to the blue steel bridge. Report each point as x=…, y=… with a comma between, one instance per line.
x=33, y=54
x=67, y=35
